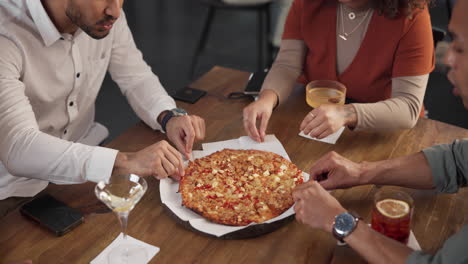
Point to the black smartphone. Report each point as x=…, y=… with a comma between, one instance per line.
x=255, y=82
x=189, y=95
x=52, y=214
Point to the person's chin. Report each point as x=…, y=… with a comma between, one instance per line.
x=99, y=34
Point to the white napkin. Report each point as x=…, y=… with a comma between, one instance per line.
x=151, y=251
x=173, y=200
x=331, y=139
x=412, y=242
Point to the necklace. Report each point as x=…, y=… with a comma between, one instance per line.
x=351, y=16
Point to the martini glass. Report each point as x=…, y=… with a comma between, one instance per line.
x=121, y=194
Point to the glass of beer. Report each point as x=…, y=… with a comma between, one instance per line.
x=392, y=213
x=325, y=92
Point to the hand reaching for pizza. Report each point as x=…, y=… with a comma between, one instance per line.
x=160, y=160
x=259, y=112
x=183, y=131
x=333, y=171
x=315, y=206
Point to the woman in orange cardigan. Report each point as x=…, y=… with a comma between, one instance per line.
x=381, y=50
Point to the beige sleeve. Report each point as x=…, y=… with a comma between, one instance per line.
x=286, y=68
x=399, y=112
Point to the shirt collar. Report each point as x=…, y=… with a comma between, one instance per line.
x=47, y=29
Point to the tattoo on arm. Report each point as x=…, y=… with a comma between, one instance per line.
x=350, y=115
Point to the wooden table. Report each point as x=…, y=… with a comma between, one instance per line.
x=435, y=217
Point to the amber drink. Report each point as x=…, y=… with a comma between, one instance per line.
x=325, y=92
x=391, y=214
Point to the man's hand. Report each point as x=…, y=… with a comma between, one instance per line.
x=327, y=119
x=159, y=160
x=333, y=171
x=184, y=130
x=315, y=206
x=259, y=112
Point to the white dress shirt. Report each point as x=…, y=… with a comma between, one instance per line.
x=48, y=86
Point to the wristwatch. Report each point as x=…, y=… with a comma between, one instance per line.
x=344, y=225
x=170, y=114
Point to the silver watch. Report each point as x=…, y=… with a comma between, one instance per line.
x=344, y=225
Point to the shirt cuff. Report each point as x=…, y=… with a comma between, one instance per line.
x=101, y=164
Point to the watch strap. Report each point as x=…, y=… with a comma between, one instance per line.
x=166, y=118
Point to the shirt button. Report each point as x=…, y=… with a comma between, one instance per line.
x=78, y=75
x=71, y=103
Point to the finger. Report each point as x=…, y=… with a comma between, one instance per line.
x=263, y=125
x=189, y=139
x=325, y=133
x=179, y=142
x=197, y=127
x=303, y=187
x=202, y=128
x=317, y=121
x=168, y=167
x=250, y=123
x=176, y=159
x=307, y=119
x=160, y=172
x=319, y=130
x=321, y=167
x=299, y=194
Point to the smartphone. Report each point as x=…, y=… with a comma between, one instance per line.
x=52, y=214
x=189, y=95
x=255, y=82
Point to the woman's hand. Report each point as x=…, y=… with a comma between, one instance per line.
x=327, y=119
x=259, y=112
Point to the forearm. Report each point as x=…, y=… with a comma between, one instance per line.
x=286, y=69
x=399, y=112
x=409, y=171
x=375, y=247
x=53, y=159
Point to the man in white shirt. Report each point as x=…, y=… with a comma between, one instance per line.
x=54, y=55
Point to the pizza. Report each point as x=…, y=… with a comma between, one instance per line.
x=238, y=187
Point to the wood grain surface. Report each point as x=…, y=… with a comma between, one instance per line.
x=436, y=217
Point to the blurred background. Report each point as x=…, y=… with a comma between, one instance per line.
x=236, y=35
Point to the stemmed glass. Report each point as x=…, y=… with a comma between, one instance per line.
x=121, y=194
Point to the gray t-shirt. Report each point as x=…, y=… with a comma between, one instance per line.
x=449, y=165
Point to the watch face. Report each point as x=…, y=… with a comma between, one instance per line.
x=344, y=223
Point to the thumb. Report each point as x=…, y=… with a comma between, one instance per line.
x=328, y=184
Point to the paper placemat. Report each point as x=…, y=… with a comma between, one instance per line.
x=331, y=139
x=173, y=200
x=151, y=250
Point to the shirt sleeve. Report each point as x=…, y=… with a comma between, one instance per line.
x=453, y=251
x=292, y=27
x=449, y=165
x=138, y=83
x=399, y=112
x=287, y=67
x=25, y=151
x=415, y=52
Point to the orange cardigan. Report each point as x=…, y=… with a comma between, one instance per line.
x=391, y=48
